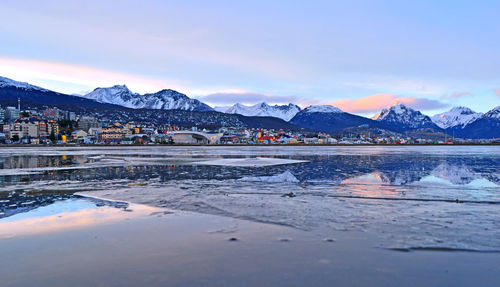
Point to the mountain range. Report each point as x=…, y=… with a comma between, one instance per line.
x=402, y=118
x=456, y=117
x=161, y=100
x=285, y=112
x=176, y=108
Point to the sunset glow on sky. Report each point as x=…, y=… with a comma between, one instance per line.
x=360, y=56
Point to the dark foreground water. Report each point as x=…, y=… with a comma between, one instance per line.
x=388, y=199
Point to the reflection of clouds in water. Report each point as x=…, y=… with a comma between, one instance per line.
x=56, y=218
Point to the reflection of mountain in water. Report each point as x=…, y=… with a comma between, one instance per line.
x=400, y=169
x=455, y=174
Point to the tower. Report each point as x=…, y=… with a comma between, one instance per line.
x=19, y=104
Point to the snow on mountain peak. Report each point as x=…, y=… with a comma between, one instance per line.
x=398, y=109
x=285, y=112
x=456, y=117
x=322, y=109
x=165, y=99
x=404, y=117
x=6, y=82
x=494, y=113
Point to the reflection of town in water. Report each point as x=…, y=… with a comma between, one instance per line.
x=28, y=186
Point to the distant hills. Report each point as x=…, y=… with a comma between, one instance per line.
x=169, y=106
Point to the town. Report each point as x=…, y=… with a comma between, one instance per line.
x=54, y=126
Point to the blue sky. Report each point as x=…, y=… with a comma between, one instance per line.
x=357, y=55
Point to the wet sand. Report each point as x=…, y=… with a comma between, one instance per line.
x=152, y=247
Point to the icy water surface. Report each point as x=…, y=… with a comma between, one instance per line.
x=411, y=198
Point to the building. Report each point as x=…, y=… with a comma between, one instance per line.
x=111, y=134
x=51, y=113
x=53, y=127
x=11, y=114
x=23, y=128
x=86, y=123
x=2, y=114
x=78, y=135
x=43, y=129
x=68, y=115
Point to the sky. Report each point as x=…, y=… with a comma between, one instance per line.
x=360, y=56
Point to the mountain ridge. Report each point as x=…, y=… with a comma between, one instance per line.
x=262, y=109
x=165, y=99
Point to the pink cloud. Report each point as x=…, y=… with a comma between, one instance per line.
x=377, y=102
x=497, y=92
x=460, y=94
x=457, y=95
x=43, y=73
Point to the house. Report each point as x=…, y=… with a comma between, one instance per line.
x=288, y=140
x=78, y=135
x=266, y=139
x=229, y=139
x=311, y=140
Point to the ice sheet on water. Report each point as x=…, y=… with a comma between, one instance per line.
x=393, y=192
x=249, y=162
x=399, y=223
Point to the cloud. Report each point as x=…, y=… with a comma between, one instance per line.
x=456, y=95
x=63, y=77
x=229, y=98
x=377, y=102
x=497, y=92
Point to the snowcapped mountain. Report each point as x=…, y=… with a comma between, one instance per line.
x=327, y=118
x=487, y=126
x=456, y=117
x=285, y=112
x=11, y=91
x=322, y=109
x=493, y=114
x=6, y=82
x=118, y=94
x=162, y=100
x=402, y=118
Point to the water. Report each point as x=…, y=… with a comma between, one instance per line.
x=408, y=198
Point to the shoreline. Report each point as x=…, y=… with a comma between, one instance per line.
x=240, y=145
